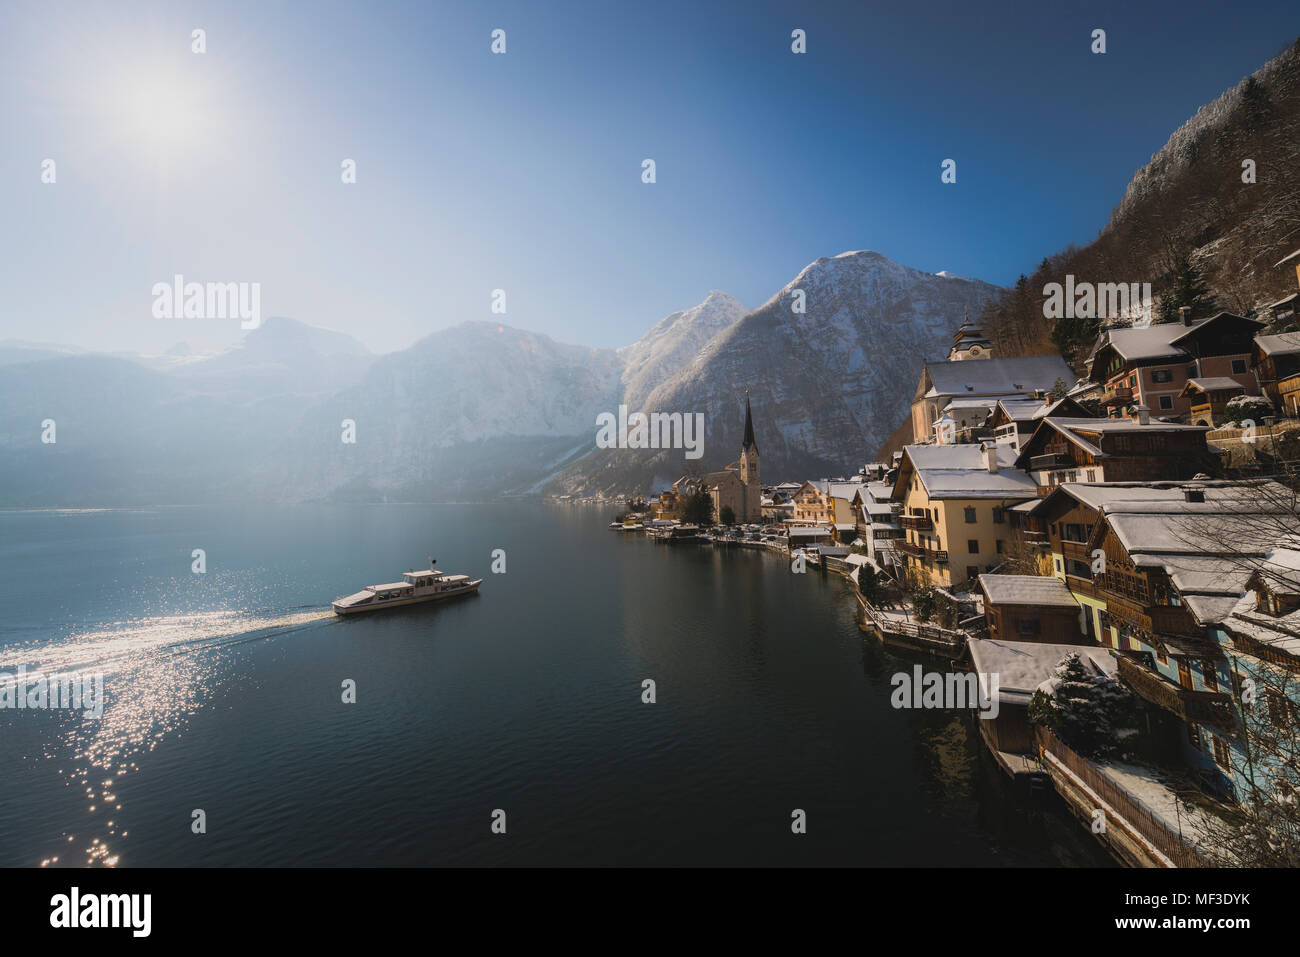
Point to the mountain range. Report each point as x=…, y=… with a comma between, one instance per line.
x=478, y=410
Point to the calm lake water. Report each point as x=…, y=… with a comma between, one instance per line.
x=224, y=693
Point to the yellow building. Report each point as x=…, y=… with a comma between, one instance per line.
x=955, y=501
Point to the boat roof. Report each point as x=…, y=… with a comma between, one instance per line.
x=423, y=571
x=389, y=587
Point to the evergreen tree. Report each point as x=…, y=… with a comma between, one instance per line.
x=1189, y=289
x=1086, y=710
x=698, y=509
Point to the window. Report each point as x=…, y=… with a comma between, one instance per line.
x=973, y=546
x=1210, y=675
x=972, y=572
x=1166, y=402
x=999, y=546
x=1162, y=657
x=1029, y=627
x=1162, y=375
x=998, y=516
x=1277, y=708
x=1220, y=752
x=1058, y=564
x=1238, y=366
x=1194, y=736
x=970, y=516
x=1191, y=372
x=1092, y=475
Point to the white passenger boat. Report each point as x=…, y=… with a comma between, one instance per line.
x=428, y=584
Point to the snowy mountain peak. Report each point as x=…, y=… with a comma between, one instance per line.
x=673, y=342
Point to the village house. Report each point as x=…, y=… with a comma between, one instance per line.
x=1261, y=641
x=829, y=503
x=1114, y=450
x=954, y=501
x=1014, y=420
x=1030, y=608
x=1150, y=366
x=1208, y=399
x=1276, y=360
x=1172, y=571
x=1021, y=667
x=1060, y=526
x=877, y=524
x=989, y=379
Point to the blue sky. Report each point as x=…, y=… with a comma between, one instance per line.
x=522, y=171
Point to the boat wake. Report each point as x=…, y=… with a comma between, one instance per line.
x=154, y=673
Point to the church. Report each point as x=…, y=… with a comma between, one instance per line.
x=737, y=485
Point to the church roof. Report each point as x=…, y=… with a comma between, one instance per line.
x=749, y=427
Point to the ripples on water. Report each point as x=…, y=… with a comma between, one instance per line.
x=156, y=672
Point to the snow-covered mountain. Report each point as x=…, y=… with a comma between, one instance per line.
x=281, y=356
x=672, y=343
x=827, y=384
x=470, y=412
x=478, y=410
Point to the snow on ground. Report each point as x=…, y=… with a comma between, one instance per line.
x=1145, y=786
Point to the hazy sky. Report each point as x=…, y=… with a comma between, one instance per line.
x=522, y=171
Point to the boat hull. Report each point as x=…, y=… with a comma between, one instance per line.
x=371, y=606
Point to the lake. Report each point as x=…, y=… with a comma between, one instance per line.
x=224, y=693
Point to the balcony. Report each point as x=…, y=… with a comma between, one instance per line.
x=936, y=555
x=1117, y=395
x=1156, y=620
x=916, y=523
x=1076, y=550
x=1054, y=460
x=1208, y=707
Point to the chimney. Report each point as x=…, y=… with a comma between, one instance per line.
x=1185, y=314
x=990, y=453
x=1144, y=415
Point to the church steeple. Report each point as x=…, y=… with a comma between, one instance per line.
x=749, y=426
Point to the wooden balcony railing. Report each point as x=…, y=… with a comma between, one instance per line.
x=1209, y=707
x=1054, y=460
x=1117, y=395
x=916, y=523
x=936, y=555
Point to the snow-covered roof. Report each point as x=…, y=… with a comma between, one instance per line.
x=959, y=404
x=1210, y=609
x=958, y=471
x=1158, y=341
x=810, y=531
x=1213, y=383
x=1022, y=410
x=1281, y=344
x=1021, y=666
x=996, y=377
x=1099, y=494
x=1282, y=632
x=1205, y=574
x=1027, y=590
